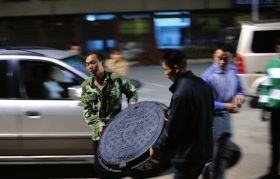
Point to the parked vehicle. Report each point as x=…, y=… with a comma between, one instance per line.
x=256, y=45
x=36, y=126
x=40, y=108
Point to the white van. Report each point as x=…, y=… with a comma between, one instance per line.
x=256, y=45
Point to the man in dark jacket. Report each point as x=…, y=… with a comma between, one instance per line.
x=187, y=136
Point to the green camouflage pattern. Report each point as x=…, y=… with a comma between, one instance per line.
x=268, y=96
x=100, y=106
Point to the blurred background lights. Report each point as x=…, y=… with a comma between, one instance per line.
x=93, y=17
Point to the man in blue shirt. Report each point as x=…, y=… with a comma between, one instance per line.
x=228, y=96
x=218, y=52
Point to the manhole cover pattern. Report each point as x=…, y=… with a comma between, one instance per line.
x=132, y=132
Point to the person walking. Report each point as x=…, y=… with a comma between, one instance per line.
x=229, y=95
x=187, y=136
x=75, y=48
x=269, y=100
x=116, y=63
x=217, y=53
x=102, y=97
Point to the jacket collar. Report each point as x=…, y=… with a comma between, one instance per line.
x=187, y=74
x=106, y=78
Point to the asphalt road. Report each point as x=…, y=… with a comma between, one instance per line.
x=250, y=134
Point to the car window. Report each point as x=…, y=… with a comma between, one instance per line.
x=267, y=44
x=4, y=90
x=44, y=80
x=77, y=62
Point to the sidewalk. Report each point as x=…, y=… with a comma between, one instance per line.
x=189, y=61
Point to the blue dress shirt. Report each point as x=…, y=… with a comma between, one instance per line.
x=225, y=84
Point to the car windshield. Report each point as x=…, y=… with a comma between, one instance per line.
x=77, y=62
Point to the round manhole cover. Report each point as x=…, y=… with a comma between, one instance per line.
x=131, y=133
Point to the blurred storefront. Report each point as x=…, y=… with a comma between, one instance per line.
x=195, y=31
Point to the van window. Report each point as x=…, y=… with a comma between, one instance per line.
x=264, y=41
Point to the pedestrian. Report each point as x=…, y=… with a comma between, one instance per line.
x=51, y=84
x=102, y=97
x=116, y=63
x=187, y=136
x=229, y=95
x=269, y=100
x=217, y=53
x=75, y=47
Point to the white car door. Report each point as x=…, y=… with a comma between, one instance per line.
x=9, y=122
x=52, y=123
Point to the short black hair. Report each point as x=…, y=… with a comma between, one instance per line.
x=173, y=57
x=228, y=48
x=98, y=55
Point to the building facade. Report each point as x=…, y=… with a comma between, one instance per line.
x=127, y=24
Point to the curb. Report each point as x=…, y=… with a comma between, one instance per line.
x=195, y=61
x=189, y=61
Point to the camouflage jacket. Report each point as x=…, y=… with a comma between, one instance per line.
x=100, y=106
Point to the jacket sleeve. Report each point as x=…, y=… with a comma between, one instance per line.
x=264, y=91
x=129, y=90
x=177, y=128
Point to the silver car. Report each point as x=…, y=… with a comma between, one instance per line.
x=40, y=112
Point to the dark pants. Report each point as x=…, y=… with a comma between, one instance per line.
x=191, y=171
x=275, y=140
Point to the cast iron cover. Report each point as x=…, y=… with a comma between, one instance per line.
x=131, y=133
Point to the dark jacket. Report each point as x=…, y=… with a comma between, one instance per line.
x=187, y=136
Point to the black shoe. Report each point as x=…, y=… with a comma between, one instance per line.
x=270, y=176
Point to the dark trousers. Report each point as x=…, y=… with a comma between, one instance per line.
x=275, y=140
x=191, y=171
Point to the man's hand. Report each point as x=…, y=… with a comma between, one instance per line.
x=231, y=107
x=101, y=130
x=151, y=152
x=239, y=99
x=131, y=103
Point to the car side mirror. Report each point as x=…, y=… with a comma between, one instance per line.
x=74, y=92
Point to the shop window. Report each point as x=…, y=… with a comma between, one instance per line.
x=171, y=32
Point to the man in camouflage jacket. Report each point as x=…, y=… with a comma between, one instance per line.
x=102, y=95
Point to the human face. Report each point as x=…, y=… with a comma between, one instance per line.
x=94, y=66
x=223, y=61
x=116, y=56
x=218, y=53
x=75, y=49
x=170, y=73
